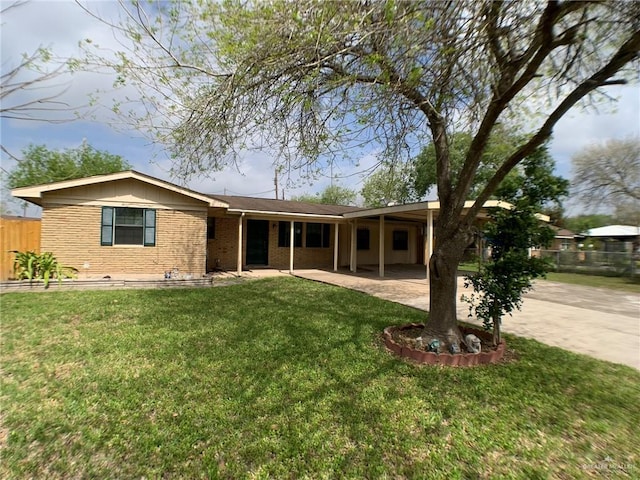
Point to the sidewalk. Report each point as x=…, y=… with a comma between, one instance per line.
x=602, y=323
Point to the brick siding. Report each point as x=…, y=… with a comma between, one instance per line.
x=223, y=250
x=72, y=233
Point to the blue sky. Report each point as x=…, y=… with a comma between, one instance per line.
x=59, y=25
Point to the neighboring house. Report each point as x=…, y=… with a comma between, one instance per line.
x=563, y=239
x=131, y=223
x=616, y=238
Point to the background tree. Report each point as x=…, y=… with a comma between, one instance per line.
x=584, y=222
x=627, y=213
x=499, y=147
x=390, y=184
x=41, y=165
x=414, y=181
x=312, y=81
x=609, y=175
x=332, y=195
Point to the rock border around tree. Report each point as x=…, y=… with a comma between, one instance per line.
x=431, y=358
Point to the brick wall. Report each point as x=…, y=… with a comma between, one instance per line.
x=72, y=233
x=223, y=250
x=303, y=257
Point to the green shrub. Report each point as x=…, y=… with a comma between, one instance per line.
x=31, y=266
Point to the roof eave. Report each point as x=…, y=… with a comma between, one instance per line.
x=34, y=193
x=268, y=213
x=426, y=206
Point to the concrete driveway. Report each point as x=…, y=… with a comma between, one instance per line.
x=602, y=323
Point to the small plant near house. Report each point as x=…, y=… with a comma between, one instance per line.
x=499, y=284
x=32, y=266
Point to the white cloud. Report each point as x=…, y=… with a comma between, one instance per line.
x=583, y=127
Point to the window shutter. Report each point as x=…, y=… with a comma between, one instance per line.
x=106, y=231
x=149, y=228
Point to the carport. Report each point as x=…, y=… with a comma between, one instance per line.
x=423, y=214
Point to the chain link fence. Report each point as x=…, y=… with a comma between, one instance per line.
x=611, y=264
x=614, y=264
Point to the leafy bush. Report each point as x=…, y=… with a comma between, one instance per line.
x=31, y=266
x=498, y=285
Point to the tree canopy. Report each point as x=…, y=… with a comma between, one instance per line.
x=391, y=184
x=41, y=165
x=499, y=147
x=315, y=81
x=332, y=195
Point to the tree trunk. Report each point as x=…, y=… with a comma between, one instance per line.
x=443, y=289
x=496, y=330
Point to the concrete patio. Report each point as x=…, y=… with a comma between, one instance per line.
x=602, y=323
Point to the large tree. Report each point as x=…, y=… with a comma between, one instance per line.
x=40, y=164
x=608, y=174
x=418, y=179
x=313, y=80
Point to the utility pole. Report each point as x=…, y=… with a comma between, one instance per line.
x=275, y=182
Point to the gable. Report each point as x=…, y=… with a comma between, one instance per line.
x=128, y=192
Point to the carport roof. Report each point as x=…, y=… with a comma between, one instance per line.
x=614, y=231
x=418, y=211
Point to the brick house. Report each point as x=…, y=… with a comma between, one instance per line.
x=132, y=223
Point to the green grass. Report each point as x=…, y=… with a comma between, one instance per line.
x=286, y=378
x=615, y=283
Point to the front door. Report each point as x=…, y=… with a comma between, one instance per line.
x=257, y=242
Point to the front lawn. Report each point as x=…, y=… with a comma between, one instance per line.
x=287, y=378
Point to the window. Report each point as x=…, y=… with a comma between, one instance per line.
x=284, y=234
x=400, y=240
x=128, y=226
x=363, y=239
x=211, y=228
x=318, y=235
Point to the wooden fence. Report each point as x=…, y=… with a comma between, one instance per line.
x=16, y=233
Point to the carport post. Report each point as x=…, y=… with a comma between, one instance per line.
x=240, y=218
x=381, y=248
x=336, y=227
x=291, y=245
x=352, y=258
